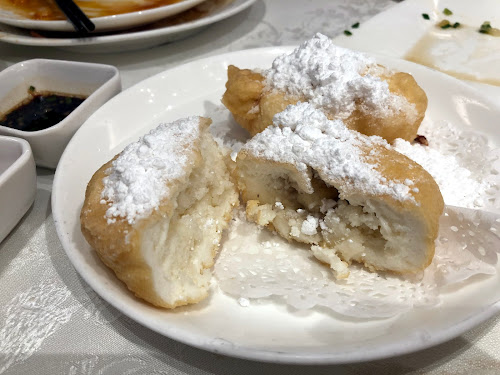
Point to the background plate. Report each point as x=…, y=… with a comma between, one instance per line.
x=108, y=23
x=149, y=36
x=267, y=332
x=402, y=32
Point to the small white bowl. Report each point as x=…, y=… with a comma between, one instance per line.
x=17, y=182
x=96, y=81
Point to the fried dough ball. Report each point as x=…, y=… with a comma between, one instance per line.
x=253, y=105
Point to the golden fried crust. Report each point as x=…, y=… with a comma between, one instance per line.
x=118, y=243
x=253, y=108
x=428, y=205
x=243, y=93
x=397, y=126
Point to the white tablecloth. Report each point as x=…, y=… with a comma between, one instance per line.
x=51, y=322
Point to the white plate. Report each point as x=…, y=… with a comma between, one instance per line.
x=263, y=332
x=147, y=37
x=107, y=23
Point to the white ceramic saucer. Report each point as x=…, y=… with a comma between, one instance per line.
x=97, y=82
x=17, y=182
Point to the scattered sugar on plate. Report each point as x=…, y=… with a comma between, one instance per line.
x=463, y=164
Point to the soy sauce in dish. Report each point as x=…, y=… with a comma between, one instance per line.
x=40, y=111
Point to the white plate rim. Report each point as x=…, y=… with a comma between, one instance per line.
x=105, y=23
x=221, y=347
x=226, y=12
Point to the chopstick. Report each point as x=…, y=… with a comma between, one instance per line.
x=75, y=15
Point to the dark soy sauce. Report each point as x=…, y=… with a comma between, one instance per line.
x=40, y=111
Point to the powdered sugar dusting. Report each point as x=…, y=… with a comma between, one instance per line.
x=305, y=137
x=440, y=167
x=310, y=225
x=334, y=78
x=135, y=184
x=464, y=166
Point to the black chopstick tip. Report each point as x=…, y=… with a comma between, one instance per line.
x=82, y=24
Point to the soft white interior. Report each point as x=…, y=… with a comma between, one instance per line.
x=361, y=229
x=180, y=249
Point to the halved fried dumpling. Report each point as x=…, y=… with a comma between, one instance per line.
x=352, y=197
x=155, y=213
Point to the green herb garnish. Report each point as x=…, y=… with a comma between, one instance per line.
x=485, y=27
x=444, y=24
x=456, y=24
x=355, y=26
x=426, y=16
x=447, y=12
x=347, y=32
x=31, y=89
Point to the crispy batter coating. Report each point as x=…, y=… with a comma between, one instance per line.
x=253, y=107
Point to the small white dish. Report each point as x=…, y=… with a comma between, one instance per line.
x=97, y=82
x=130, y=40
x=402, y=32
x=17, y=182
x=103, y=23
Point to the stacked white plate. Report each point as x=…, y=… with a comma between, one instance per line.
x=120, y=32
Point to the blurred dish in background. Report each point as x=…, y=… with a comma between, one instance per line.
x=107, y=15
x=463, y=53
x=456, y=42
x=166, y=30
